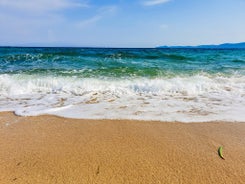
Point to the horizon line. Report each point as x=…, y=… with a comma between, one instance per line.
x=119, y=47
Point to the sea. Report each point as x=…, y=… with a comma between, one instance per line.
x=171, y=85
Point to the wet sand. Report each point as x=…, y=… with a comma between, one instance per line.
x=49, y=149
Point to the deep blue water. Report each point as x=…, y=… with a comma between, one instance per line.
x=120, y=62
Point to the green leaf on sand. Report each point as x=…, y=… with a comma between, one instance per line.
x=220, y=152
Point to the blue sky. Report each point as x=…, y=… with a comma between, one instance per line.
x=121, y=23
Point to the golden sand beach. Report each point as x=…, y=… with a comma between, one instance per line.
x=49, y=149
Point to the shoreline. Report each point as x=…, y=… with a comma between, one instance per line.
x=52, y=149
x=114, y=119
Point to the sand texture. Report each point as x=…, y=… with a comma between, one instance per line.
x=49, y=149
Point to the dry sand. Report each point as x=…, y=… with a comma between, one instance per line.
x=49, y=149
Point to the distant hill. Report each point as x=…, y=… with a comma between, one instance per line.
x=221, y=46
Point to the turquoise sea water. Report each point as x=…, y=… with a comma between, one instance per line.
x=158, y=84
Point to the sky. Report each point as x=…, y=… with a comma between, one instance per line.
x=121, y=23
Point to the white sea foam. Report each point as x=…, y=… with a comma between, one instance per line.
x=197, y=98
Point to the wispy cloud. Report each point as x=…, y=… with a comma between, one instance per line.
x=89, y=21
x=108, y=9
x=164, y=26
x=36, y=20
x=101, y=13
x=28, y=29
x=154, y=2
x=41, y=6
